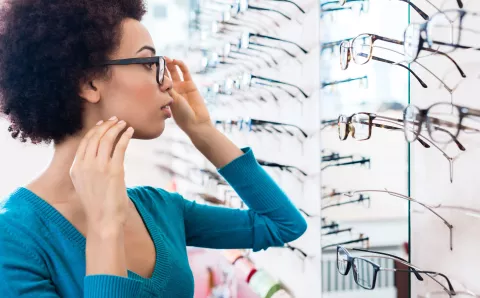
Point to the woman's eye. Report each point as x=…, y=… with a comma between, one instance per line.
x=150, y=65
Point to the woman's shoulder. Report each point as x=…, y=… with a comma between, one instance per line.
x=154, y=197
x=18, y=216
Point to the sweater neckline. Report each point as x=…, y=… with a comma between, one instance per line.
x=162, y=266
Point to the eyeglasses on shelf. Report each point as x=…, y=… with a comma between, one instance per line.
x=247, y=78
x=365, y=271
x=443, y=32
x=346, y=57
x=250, y=123
x=336, y=232
x=363, y=200
x=282, y=167
x=443, y=121
x=362, y=49
x=362, y=240
x=246, y=37
x=409, y=199
x=329, y=86
x=362, y=161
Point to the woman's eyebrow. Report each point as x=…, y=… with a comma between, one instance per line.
x=147, y=48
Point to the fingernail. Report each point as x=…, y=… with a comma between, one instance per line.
x=121, y=122
x=130, y=130
x=99, y=122
x=113, y=118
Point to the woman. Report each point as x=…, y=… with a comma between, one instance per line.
x=76, y=230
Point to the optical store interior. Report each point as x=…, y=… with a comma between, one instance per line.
x=364, y=112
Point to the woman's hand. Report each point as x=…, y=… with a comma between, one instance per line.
x=98, y=175
x=188, y=108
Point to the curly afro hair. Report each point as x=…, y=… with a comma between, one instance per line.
x=47, y=47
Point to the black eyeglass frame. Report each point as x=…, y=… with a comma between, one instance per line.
x=159, y=61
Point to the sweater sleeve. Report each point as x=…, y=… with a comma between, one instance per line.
x=271, y=220
x=23, y=273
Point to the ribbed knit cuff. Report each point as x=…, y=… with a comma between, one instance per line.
x=104, y=286
x=252, y=183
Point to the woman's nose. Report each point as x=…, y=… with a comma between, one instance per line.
x=167, y=84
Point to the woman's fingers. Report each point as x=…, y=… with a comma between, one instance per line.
x=108, y=141
x=172, y=68
x=83, y=143
x=118, y=157
x=184, y=69
x=94, y=140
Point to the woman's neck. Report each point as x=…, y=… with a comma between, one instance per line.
x=55, y=181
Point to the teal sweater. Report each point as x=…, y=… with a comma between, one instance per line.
x=43, y=255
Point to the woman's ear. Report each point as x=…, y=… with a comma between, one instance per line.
x=89, y=92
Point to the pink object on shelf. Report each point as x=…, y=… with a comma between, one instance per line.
x=203, y=259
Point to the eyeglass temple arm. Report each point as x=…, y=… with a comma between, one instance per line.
x=420, y=12
x=330, y=226
x=460, y=70
x=347, y=242
x=337, y=232
x=430, y=208
x=401, y=65
x=275, y=86
x=280, y=82
x=363, y=161
x=281, y=124
x=338, y=2
x=269, y=9
x=423, y=48
x=278, y=39
x=272, y=47
x=325, y=84
x=395, y=121
x=292, y=248
x=308, y=214
x=361, y=199
x=457, y=142
x=291, y=2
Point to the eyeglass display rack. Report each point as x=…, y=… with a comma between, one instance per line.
x=256, y=63
x=440, y=239
x=374, y=87
x=429, y=173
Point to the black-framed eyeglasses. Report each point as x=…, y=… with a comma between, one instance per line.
x=443, y=121
x=365, y=271
x=443, y=32
x=158, y=61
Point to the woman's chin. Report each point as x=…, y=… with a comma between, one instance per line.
x=149, y=134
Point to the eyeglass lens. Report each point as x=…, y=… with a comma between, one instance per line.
x=342, y=261
x=363, y=272
x=443, y=30
x=361, y=48
x=361, y=126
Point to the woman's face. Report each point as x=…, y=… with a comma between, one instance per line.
x=131, y=92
